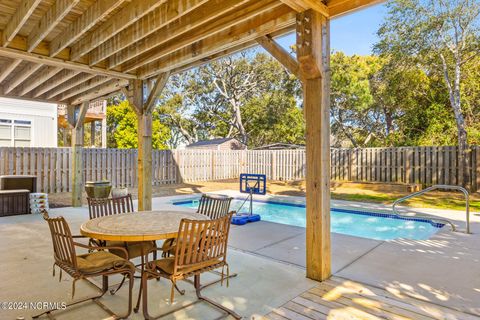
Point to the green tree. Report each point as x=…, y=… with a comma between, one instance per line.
x=249, y=96
x=122, y=127
x=443, y=36
x=351, y=110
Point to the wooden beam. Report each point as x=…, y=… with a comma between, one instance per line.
x=341, y=7
x=261, y=25
x=87, y=85
x=43, y=48
x=98, y=11
x=158, y=87
x=221, y=23
x=280, y=54
x=35, y=82
x=302, y=5
x=9, y=69
x=100, y=91
x=313, y=54
x=21, y=76
x=40, y=59
x=16, y=22
x=75, y=81
x=77, y=150
x=128, y=15
x=210, y=12
x=162, y=16
x=49, y=21
x=57, y=80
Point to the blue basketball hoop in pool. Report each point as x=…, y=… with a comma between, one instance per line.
x=253, y=183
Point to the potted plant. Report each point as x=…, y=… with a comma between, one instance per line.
x=98, y=189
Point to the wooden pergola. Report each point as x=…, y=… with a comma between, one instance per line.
x=76, y=51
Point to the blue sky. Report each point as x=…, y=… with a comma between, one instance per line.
x=354, y=33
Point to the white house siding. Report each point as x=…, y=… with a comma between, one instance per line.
x=43, y=117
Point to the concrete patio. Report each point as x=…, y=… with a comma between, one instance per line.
x=270, y=261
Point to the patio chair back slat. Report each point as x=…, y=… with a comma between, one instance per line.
x=100, y=207
x=123, y=204
x=202, y=243
x=63, y=247
x=214, y=206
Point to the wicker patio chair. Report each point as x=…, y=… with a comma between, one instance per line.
x=203, y=248
x=81, y=267
x=212, y=206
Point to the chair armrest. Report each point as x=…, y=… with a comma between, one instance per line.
x=78, y=236
x=81, y=245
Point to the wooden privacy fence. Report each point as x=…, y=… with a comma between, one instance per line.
x=421, y=165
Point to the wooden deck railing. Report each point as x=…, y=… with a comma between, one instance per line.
x=422, y=165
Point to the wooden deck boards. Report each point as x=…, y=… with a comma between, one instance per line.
x=339, y=298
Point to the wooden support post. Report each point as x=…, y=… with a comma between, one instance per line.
x=313, y=54
x=92, y=133
x=76, y=121
x=144, y=115
x=104, y=125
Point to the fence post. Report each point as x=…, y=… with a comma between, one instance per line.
x=408, y=165
x=273, y=161
x=213, y=164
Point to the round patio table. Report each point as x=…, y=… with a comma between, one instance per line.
x=138, y=226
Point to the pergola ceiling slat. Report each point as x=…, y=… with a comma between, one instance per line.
x=106, y=89
x=33, y=83
x=204, y=14
x=87, y=85
x=60, y=78
x=77, y=80
x=50, y=19
x=240, y=33
x=128, y=15
x=24, y=11
x=9, y=68
x=95, y=13
x=213, y=25
x=163, y=15
x=21, y=76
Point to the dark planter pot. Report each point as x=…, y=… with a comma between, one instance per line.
x=98, y=189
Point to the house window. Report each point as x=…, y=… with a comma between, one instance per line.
x=15, y=133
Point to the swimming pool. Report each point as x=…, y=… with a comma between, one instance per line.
x=378, y=226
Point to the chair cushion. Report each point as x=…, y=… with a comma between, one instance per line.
x=166, y=265
x=134, y=248
x=100, y=261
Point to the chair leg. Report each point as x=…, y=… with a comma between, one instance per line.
x=198, y=288
x=143, y=287
x=96, y=300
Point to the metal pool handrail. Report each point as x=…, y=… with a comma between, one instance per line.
x=436, y=187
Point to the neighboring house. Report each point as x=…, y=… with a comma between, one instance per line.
x=281, y=146
x=218, y=144
x=96, y=114
x=25, y=123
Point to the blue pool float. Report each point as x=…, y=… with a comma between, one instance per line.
x=242, y=219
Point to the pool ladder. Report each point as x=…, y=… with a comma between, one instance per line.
x=432, y=188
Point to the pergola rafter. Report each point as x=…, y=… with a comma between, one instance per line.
x=76, y=51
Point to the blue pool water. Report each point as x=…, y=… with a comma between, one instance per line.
x=377, y=226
